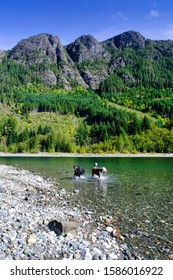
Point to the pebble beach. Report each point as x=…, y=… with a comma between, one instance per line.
x=29, y=204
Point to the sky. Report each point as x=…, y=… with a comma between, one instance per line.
x=69, y=19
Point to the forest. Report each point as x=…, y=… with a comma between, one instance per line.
x=93, y=122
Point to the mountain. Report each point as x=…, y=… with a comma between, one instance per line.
x=130, y=109
x=130, y=39
x=122, y=61
x=46, y=50
x=86, y=47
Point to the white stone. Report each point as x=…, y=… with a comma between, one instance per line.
x=109, y=229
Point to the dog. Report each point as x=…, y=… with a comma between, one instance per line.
x=78, y=171
x=98, y=171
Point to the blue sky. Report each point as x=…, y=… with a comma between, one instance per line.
x=20, y=19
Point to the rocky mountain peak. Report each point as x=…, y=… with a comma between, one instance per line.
x=38, y=48
x=86, y=61
x=129, y=39
x=47, y=49
x=88, y=41
x=85, y=47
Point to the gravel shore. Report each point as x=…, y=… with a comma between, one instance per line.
x=41, y=221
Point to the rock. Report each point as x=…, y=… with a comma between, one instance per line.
x=162, y=221
x=46, y=48
x=129, y=39
x=2, y=256
x=27, y=251
x=97, y=251
x=3, y=214
x=107, y=221
x=85, y=243
x=48, y=77
x=109, y=229
x=39, y=48
x=84, y=48
x=13, y=235
x=75, y=244
x=69, y=226
x=21, y=241
x=93, y=78
x=41, y=200
x=76, y=191
x=88, y=255
x=97, y=257
x=31, y=240
x=117, y=235
x=170, y=257
x=77, y=255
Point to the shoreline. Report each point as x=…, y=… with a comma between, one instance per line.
x=32, y=207
x=116, y=155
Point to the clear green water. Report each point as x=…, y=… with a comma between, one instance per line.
x=138, y=190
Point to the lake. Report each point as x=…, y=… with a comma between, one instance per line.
x=138, y=190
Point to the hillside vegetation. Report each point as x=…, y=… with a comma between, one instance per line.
x=88, y=96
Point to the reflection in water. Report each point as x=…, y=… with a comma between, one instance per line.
x=97, y=184
x=103, y=184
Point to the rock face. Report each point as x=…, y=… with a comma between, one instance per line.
x=87, y=49
x=84, y=48
x=38, y=49
x=85, y=62
x=130, y=39
x=43, y=51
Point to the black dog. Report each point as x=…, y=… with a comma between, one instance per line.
x=78, y=171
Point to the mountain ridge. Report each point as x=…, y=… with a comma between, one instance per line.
x=86, y=61
x=128, y=104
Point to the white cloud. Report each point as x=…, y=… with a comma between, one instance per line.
x=155, y=14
